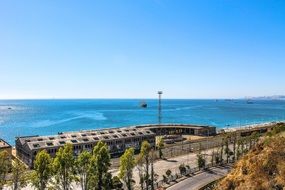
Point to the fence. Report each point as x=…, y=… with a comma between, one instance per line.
x=185, y=148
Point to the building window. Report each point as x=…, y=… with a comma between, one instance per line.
x=49, y=144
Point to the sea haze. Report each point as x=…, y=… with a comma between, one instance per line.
x=47, y=117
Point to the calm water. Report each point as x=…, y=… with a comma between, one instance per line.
x=44, y=117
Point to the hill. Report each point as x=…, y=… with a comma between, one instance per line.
x=262, y=168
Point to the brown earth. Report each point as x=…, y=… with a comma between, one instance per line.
x=262, y=168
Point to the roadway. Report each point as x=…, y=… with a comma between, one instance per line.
x=200, y=180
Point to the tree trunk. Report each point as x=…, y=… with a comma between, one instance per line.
x=152, y=176
x=129, y=183
x=147, y=173
x=235, y=141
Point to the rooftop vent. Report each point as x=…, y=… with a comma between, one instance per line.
x=36, y=145
x=61, y=142
x=74, y=141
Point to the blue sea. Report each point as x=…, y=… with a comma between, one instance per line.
x=47, y=117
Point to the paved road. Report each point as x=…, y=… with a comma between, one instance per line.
x=200, y=180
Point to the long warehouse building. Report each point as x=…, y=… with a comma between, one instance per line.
x=117, y=139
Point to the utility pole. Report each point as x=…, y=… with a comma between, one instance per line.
x=159, y=112
x=159, y=107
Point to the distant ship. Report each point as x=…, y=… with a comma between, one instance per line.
x=249, y=102
x=143, y=104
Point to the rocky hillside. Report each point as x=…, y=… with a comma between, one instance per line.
x=262, y=168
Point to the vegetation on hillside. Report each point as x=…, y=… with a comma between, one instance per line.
x=263, y=167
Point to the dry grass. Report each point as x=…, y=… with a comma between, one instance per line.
x=263, y=168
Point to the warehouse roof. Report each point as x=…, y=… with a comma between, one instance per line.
x=83, y=137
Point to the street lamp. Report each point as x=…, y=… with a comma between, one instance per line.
x=159, y=106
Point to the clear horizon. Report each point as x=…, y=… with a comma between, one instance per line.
x=152, y=98
x=211, y=49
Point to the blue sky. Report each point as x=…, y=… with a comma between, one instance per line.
x=131, y=49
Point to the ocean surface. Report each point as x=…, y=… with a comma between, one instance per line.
x=47, y=117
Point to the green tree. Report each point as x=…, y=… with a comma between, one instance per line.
x=255, y=137
x=212, y=157
x=83, y=169
x=144, y=153
x=234, y=137
x=152, y=174
x=227, y=149
x=42, y=170
x=168, y=173
x=238, y=154
x=64, y=167
x=108, y=182
x=19, y=176
x=127, y=164
x=5, y=166
x=222, y=149
x=182, y=169
x=217, y=158
x=201, y=162
x=100, y=164
x=117, y=184
x=160, y=146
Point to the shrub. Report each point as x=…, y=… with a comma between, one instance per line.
x=168, y=173
x=182, y=169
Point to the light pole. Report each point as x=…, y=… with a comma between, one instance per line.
x=159, y=106
x=159, y=111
